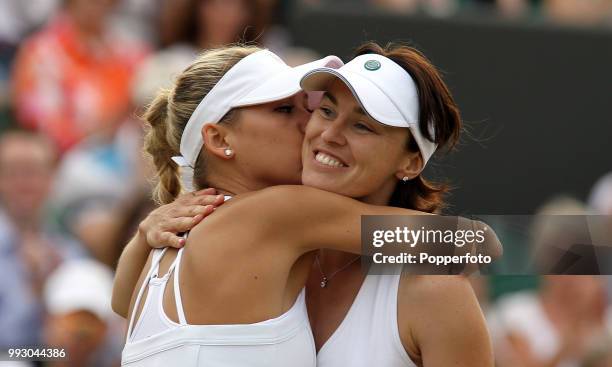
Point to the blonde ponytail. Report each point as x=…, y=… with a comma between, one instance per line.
x=161, y=143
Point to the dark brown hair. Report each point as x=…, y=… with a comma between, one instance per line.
x=436, y=107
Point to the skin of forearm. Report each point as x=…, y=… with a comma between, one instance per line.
x=131, y=262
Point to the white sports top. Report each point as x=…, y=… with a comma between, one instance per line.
x=368, y=335
x=158, y=341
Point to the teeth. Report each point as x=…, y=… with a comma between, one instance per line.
x=327, y=160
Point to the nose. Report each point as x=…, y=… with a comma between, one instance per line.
x=334, y=133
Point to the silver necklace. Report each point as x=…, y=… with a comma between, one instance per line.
x=324, y=278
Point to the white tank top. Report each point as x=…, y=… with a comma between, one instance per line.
x=369, y=334
x=158, y=341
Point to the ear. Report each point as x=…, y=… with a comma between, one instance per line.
x=411, y=166
x=215, y=140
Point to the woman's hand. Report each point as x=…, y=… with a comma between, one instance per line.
x=161, y=227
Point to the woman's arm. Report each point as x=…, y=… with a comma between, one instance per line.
x=441, y=323
x=158, y=229
x=310, y=219
x=128, y=271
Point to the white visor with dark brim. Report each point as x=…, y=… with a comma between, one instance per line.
x=385, y=91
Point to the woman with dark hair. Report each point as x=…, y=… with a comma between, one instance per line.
x=377, y=125
x=366, y=320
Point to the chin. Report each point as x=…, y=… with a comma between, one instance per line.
x=322, y=184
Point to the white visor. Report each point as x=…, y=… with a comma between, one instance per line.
x=259, y=78
x=385, y=91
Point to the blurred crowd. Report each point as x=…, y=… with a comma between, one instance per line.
x=74, y=76
x=575, y=12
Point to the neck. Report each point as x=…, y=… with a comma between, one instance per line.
x=232, y=182
x=333, y=259
x=381, y=196
x=228, y=186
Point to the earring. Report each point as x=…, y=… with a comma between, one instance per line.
x=228, y=152
x=405, y=179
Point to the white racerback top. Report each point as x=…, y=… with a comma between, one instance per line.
x=369, y=334
x=155, y=340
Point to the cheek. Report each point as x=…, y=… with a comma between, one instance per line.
x=314, y=126
x=378, y=162
x=283, y=144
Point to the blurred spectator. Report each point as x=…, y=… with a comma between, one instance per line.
x=135, y=20
x=130, y=216
x=29, y=251
x=77, y=298
x=600, y=199
x=440, y=8
x=185, y=28
x=204, y=24
x=601, y=354
x=401, y=6
x=437, y=8
x=562, y=323
x=18, y=18
x=72, y=79
x=579, y=11
x=93, y=181
x=555, y=229
x=566, y=11
x=600, y=203
x=511, y=8
x=555, y=327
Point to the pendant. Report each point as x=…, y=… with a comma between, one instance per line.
x=324, y=282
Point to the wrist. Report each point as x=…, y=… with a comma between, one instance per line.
x=141, y=236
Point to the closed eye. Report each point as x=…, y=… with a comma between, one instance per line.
x=364, y=127
x=285, y=108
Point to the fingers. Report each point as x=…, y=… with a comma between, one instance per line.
x=208, y=191
x=169, y=237
x=188, y=197
x=200, y=199
x=215, y=200
x=166, y=239
x=189, y=211
x=171, y=240
x=161, y=225
x=186, y=223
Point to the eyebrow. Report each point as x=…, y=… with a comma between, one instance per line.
x=360, y=111
x=333, y=99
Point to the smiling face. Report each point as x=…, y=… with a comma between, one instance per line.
x=349, y=153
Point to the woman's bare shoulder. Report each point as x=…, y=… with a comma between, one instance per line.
x=440, y=320
x=435, y=288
